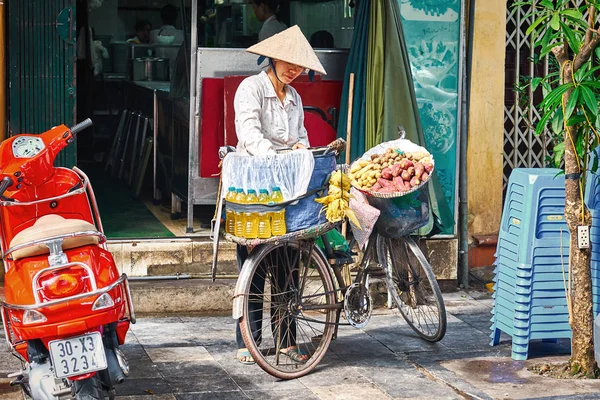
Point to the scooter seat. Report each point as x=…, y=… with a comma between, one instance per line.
x=48, y=226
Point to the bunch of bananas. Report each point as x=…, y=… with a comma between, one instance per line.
x=336, y=203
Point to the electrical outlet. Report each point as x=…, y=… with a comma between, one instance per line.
x=583, y=237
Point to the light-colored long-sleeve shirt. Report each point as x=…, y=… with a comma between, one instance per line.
x=262, y=122
x=270, y=27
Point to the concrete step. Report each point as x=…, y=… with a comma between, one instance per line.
x=172, y=256
x=184, y=296
x=194, y=256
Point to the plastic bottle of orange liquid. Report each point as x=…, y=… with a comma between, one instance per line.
x=240, y=219
x=264, y=218
x=251, y=223
x=278, y=217
x=229, y=213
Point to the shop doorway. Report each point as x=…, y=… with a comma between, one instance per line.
x=119, y=154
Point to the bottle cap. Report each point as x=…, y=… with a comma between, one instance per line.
x=251, y=191
x=276, y=188
x=263, y=191
x=231, y=188
x=240, y=190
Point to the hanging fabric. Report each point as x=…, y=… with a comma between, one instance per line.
x=357, y=64
x=401, y=110
x=375, y=75
x=384, y=95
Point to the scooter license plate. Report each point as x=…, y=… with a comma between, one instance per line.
x=77, y=355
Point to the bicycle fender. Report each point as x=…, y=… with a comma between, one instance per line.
x=238, y=307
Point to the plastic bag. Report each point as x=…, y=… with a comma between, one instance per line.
x=291, y=172
x=366, y=214
x=401, y=216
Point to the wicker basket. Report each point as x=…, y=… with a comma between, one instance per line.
x=400, y=144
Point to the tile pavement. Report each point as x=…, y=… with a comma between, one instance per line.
x=184, y=358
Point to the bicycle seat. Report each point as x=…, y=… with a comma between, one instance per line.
x=48, y=226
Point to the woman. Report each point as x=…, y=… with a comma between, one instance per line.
x=269, y=116
x=142, y=32
x=265, y=11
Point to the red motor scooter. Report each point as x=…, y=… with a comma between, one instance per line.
x=67, y=309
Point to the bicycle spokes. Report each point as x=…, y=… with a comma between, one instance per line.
x=289, y=308
x=413, y=287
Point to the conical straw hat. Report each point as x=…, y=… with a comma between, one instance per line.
x=290, y=46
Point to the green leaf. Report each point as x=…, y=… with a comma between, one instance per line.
x=576, y=119
x=578, y=21
x=576, y=14
x=593, y=84
x=546, y=88
x=535, y=82
x=570, y=37
x=548, y=4
x=559, y=152
x=542, y=124
x=555, y=22
x=594, y=166
x=571, y=103
x=588, y=72
x=557, y=121
x=535, y=24
x=553, y=98
x=590, y=99
x=545, y=39
x=517, y=4
x=580, y=145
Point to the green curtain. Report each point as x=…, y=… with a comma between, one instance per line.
x=375, y=75
x=357, y=64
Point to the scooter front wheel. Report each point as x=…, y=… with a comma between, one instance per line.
x=89, y=389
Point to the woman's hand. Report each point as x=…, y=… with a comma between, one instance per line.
x=298, y=146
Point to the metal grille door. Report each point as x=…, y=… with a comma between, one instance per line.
x=522, y=148
x=41, y=36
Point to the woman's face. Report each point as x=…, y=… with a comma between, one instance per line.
x=144, y=34
x=287, y=72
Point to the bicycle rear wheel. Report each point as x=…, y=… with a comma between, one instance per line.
x=413, y=286
x=288, y=301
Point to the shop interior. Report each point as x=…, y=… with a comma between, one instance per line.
x=133, y=81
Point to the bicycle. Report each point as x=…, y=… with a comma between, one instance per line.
x=298, y=293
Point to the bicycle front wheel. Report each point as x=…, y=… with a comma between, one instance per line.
x=289, y=308
x=413, y=286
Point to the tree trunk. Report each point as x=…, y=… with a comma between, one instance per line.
x=582, y=322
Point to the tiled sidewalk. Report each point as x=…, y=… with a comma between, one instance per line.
x=182, y=357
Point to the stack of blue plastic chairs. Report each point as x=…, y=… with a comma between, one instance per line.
x=532, y=261
x=592, y=200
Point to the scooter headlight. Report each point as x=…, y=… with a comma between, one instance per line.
x=104, y=301
x=33, y=317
